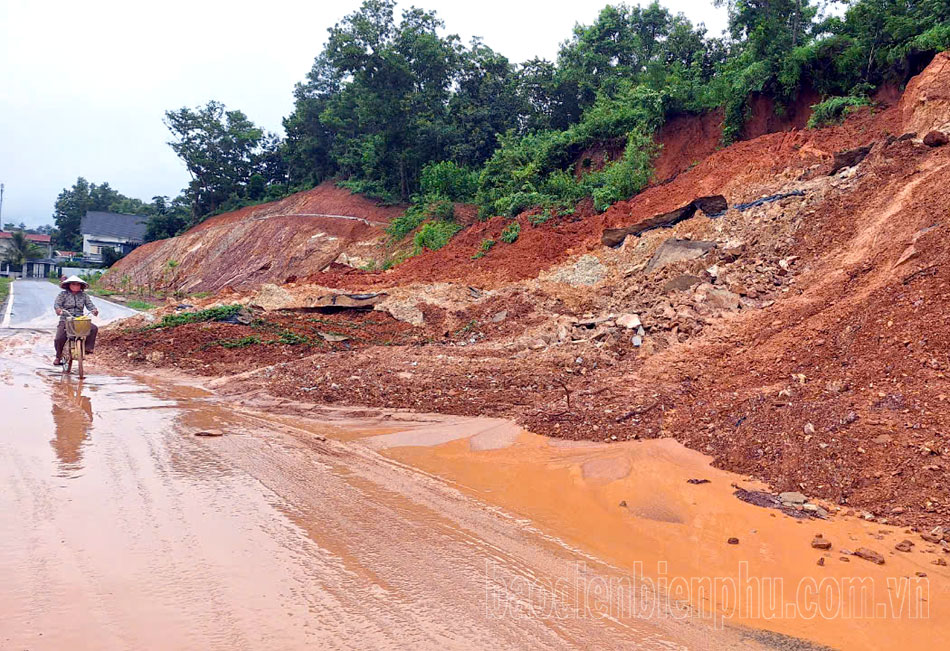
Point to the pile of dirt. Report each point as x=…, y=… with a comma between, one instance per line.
x=222, y=348
x=800, y=336
x=271, y=242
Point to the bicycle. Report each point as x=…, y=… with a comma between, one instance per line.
x=77, y=329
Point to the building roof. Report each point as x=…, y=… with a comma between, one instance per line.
x=113, y=224
x=33, y=237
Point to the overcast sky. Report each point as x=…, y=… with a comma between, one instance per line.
x=84, y=85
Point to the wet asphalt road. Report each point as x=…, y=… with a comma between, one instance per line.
x=33, y=307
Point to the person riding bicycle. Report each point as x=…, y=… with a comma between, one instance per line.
x=70, y=303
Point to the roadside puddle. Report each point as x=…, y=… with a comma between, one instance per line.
x=632, y=505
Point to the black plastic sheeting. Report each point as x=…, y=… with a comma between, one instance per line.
x=769, y=199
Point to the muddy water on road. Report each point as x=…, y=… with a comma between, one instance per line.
x=120, y=530
x=632, y=504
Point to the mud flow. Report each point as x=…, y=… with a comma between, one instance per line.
x=120, y=529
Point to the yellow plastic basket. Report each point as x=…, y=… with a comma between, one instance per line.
x=79, y=326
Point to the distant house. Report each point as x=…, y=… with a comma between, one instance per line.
x=36, y=268
x=101, y=230
x=42, y=241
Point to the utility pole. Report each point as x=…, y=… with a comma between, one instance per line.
x=1, y=206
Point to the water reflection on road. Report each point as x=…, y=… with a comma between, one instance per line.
x=72, y=418
x=121, y=530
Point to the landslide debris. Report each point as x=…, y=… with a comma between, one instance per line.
x=801, y=336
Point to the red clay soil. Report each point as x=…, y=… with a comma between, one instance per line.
x=765, y=119
x=327, y=199
x=309, y=229
x=684, y=141
x=841, y=391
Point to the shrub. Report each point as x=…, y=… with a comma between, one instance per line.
x=448, y=180
x=292, y=338
x=531, y=170
x=511, y=232
x=483, y=248
x=416, y=214
x=517, y=203
x=406, y=223
x=625, y=177
x=541, y=217
x=434, y=235
x=834, y=110
x=372, y=189
x=220, y=313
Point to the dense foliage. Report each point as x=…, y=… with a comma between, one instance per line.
x=388, y=102
x=395, y=108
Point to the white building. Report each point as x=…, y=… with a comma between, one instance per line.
x=114, y=230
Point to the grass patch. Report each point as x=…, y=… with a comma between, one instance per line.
x=4, y=289
x=136, y=304
x=243, y=342
x=292, y=338
x=541, y=217
x=220, y=313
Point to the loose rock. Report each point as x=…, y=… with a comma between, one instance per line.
x=936, y=139
x=629, y=321
x=869, y=555
x=210, y=432
x=819, y=542
x=904, y=546
x=792, y=497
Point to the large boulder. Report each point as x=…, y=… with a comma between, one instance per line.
x=676, y=250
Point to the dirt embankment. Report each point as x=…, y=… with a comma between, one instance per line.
x=273, y=242
x=801, y=337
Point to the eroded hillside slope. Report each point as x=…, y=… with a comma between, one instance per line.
x=795, y=326
x=271, y=242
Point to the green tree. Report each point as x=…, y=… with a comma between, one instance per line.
x=220, y=149
x=485, y=102
x=379, y=93
x=167, y=218
x=110, y=256
x=70, y=207
x=73, y=203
